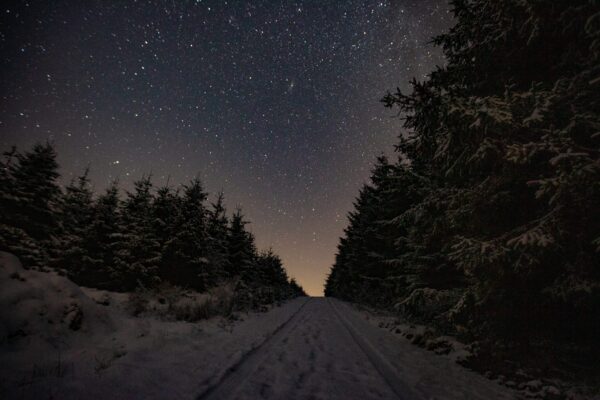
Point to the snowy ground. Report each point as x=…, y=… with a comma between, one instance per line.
x=449, y=348
x=111, y=355
x=327, y=351
x=57, y=342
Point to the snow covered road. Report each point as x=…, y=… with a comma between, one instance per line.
x=326, y=350
x=306, y=348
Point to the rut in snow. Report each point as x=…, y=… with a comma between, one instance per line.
x=325, y=351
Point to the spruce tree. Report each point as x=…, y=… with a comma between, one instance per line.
x=138, y=254
x=186, y=254
x=120, y=245
x=29, y=204
x=496, y=197
x=76, y=213
x=100, y=241
x=296, y=289
x=218, y=254
x=241, y=248
x=165, y=217
x=362, y=269
x=269, y=270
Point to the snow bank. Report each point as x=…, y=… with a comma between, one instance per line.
x=44, y=303
x=448, y=348
x=58, y=340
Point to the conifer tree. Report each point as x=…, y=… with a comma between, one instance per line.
x=186, y=254
x=241, y=248
x=100, y=242
x=165, y=217
x=120, y=245
x=29, y=204
x=165, y=209
x=296, y=289
x=218, y=225
x=36, y=192
x=496, y=199
x=362, y=266
x=6, y=181
x=269, y=270
x=138, y=255
x=75, y=216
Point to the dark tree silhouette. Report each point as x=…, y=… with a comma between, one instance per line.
x=489, y=224
x=148, y=238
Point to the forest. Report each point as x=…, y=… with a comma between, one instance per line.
x=147, y=239
x=469, y=266
x=487, y=225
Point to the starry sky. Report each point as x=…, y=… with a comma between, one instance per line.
x=274, y=102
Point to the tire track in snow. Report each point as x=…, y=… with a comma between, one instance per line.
x=235, y=376
x=379, y=362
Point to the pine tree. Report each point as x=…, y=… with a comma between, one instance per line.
x=296, y=289
x=138, y=254
x=241, y=248
x=186, y=254
x=218, y=224
x=13, y=238
x=268, y=280
x=362, y=270
x=496, y=197
x=165, y=217
x=6, y=181
x=29, y=204
x=75, y=217
x=165, y=209
x=120, y=245
x=269, y=270
x=100, y=241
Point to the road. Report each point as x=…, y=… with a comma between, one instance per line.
x=327, y=350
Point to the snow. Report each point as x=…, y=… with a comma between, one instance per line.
x=448, y=349
x=111, y=354
x=317, y=348
x=428, y=375
x=328, y=351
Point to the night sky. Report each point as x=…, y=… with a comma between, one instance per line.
x=274, y=102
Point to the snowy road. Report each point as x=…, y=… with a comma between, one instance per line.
x=306, y=348
x=326, y=350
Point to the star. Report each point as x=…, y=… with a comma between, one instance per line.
x=275, y=104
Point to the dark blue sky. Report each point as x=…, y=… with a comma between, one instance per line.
x=275, y=102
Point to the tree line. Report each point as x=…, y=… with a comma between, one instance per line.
x=488, y=224
x=151, y=236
